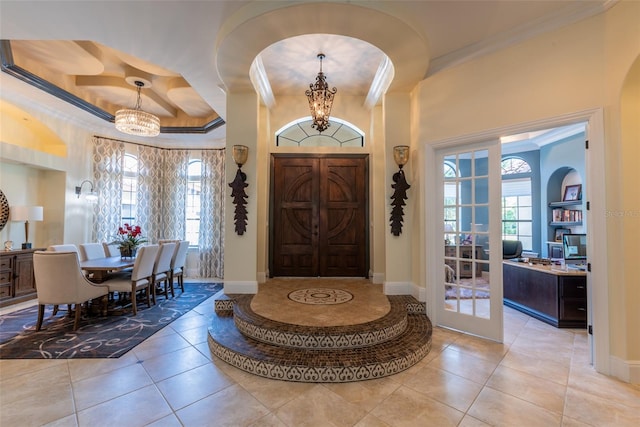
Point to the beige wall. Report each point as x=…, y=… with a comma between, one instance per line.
x=574, y=69
x=627, y=220
x=31, y=174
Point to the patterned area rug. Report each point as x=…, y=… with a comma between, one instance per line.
x=97, y=337
x=482, y=287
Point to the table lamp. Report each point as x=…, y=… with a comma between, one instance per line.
x=26, y=214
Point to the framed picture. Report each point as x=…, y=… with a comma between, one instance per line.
x=572, y=192
x=560, y=232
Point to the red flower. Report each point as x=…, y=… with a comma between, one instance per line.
x=129, y=236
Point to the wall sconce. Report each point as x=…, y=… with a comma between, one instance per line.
x=400, y=186
x=91, y=196
x=26, y=214
x=240, y=154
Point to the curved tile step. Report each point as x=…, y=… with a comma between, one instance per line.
x=273, y=332
x=321, y=365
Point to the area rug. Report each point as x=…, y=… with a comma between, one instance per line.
x=97, y=337
x=482, y=288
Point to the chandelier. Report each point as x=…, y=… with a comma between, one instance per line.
x=320, y=100
x=137, y=122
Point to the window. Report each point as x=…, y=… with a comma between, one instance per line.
x=193, y=202
x=299, y=133
x=129, y=189
x=517, y=209
x=450, y=200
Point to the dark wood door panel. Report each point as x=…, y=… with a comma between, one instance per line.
x=319, y=211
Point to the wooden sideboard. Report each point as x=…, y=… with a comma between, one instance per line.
x=17, y=281
x=548, y=293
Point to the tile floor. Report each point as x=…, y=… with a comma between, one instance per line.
x=539, y=377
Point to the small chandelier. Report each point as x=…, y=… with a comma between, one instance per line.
x=320, y=100
x=137, y=122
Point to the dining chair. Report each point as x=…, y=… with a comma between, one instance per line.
x=59, y=280
x=140, y=278
x=64, y=248
x=162, y=269
x=177, y=264
x=91, y=251
x=110, y=249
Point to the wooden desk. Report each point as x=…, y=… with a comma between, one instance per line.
x=548, y=293
x=100, y=267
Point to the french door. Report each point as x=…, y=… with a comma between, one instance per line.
x=469, y=290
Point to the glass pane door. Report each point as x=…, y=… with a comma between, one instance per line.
x=470, y=294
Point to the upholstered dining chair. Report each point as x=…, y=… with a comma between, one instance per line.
x=177, y=265
x=59, y=280
x=140, y=277
x=91, y=251
x=64, y=248
x=162, y=269
x=110, y=249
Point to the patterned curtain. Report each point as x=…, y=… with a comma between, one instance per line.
x=212, y=198
x=150, y=194
x=176, y=163
x=108, y=158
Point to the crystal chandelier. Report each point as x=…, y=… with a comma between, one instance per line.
x=320, y=100
x=137, y=122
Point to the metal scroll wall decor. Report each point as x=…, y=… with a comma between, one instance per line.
x=240, y=153
x=400, y=187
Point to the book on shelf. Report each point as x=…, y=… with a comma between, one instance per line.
x=566, y=215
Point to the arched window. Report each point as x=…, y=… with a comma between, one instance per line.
x=299, y=133
x=129, y=189
x=514, y=165
x=517, y=209
x=450, y=196
x=193, y=202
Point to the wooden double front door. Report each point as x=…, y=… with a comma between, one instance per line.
x=319, y=216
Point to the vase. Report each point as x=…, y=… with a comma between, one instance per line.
x=128, y=252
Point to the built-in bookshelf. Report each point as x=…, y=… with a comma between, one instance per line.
x=568, y=213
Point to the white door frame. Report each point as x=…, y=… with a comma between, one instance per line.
x=597, y=295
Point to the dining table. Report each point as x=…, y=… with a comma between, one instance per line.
x=99, y=268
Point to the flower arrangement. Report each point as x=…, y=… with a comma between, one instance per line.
x=128, y=239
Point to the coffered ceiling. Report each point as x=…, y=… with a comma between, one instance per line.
x=92, y=49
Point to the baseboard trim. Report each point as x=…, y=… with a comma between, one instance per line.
x=625, y=370
x=419, y=293
x=261, y=276
x=240, y=287
x=377, y=278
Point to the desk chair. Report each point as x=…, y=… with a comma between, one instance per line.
x=511, y=249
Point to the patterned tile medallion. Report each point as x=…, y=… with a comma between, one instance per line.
x=320, y=296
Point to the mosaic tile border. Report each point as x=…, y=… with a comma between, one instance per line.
x=273, y=332
x=321, y=366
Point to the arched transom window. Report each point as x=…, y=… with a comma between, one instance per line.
x=299, y=133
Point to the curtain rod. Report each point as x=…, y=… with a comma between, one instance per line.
x=153, y=146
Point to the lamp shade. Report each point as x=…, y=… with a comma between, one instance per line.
x=401, y=154
x=240, y=153
x=27, y=213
